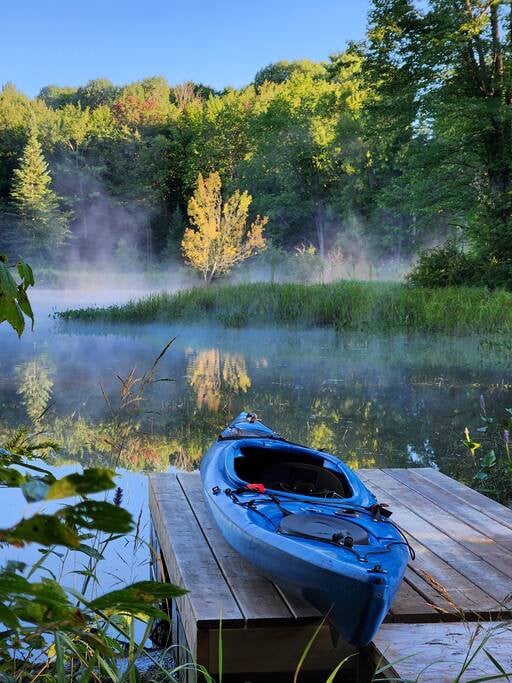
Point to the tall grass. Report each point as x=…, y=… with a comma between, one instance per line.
x=345, y=305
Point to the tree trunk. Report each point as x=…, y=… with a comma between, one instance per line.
x=320, y=228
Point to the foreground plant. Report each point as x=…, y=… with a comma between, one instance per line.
x=52, y=631
x=494, y=468
x=14, y=303
x=75, y=636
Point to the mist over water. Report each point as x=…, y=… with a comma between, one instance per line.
x=374, y=401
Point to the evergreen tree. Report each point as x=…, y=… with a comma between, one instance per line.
x=42, y=227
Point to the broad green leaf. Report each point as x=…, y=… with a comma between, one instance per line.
x=8, y=286
x=10, y=312
x=481, y=476
x=44, y=529
x=8, y=617
x=25, y=273
x=24, y=304
x=489, y=460
x=95, y=514
x=92, y=480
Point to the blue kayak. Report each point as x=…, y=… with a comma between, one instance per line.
x=307, y=522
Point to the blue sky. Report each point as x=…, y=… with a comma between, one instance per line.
x=216, y=42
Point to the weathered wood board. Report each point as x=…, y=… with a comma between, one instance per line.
x=438, y=653
x=462, y=572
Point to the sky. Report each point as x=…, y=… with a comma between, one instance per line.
x=215, y=42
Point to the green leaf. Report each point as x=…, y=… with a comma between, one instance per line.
x=489, y=460
x=481, y=476
x=10, y=312
x=8, y=286
x=8, y=617
x=44, y=529
x=495, y=662
x=89, y=550
x=25, y=273
x=24, y=304
x=10, y=477
x=92, y=480
x=95, y=514
x=139, y=598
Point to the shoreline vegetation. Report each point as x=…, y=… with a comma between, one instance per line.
x=344, y=305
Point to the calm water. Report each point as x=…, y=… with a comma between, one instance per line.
x=375, y=401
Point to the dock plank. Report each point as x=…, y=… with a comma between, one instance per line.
x=435, y=653
x=467, y=495
x=188, y=558
x=460, y=571
x=468, y=514
x=257, y=597
x=461, y=533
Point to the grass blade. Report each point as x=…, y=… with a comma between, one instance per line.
x=307, y=649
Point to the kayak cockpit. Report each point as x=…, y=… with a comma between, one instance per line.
x=283, y=467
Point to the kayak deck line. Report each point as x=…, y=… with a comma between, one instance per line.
x=463, y=570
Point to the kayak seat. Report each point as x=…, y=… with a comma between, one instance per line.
x=305, y=479
x=283, y=470
x=323, y=527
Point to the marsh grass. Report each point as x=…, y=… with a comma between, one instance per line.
x=344, y=305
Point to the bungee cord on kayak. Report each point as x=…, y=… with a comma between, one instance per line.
x=337, y=539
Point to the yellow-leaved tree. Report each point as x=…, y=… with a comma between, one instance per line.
x=219, y=237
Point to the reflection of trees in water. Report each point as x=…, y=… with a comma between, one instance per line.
x=366, y=410
x=213, y=374
x=34, y=386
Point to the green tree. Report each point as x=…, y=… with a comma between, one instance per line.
x=55, y=96
x=296, y=164
x=175, y=231
x=42, y=225
x=443, y=109
x=279, y=72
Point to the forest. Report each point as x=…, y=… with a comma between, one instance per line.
x=398, y=146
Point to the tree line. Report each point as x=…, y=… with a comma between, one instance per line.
x=397, y=144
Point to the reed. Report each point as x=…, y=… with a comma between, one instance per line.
x=344, y=305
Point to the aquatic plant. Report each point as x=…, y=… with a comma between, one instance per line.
x=344, y=305
x=493, y=470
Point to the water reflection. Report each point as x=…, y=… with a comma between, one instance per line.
x=34, y=385
x=373, y=401
x=214, y=375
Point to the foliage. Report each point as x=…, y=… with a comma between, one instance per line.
x=14, y=303
x=279, y=72
x=445, y=266
x=220, y=238
x=306, y=264
x=493, y=475
x=344, y=305
x=405, y=134
x=444, y=93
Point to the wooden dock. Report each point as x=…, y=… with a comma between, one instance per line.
x=459, y=585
